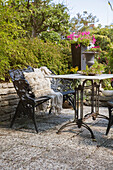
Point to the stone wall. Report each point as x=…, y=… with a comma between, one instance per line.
x=8, y=101
x=102, y=99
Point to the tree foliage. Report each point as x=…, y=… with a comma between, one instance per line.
x=33, y=17
x=81, y=22
x=51, y=17
x=10, y=21
x=50, y=35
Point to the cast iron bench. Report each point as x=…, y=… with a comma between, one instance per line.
x=28, y=101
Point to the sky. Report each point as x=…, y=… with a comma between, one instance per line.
x=98, y=8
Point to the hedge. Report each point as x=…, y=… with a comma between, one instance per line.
x=22, y=52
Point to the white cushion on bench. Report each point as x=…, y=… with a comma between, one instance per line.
x=41, y=86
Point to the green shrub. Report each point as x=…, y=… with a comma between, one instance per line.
x=103, y=42
x=110, y=59
x=51, y=35
x=22, y=52
x=4, y=67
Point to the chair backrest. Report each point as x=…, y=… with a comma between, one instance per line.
x=61, y=85
x=23, y=89
x=21, y=85
x=18, y=74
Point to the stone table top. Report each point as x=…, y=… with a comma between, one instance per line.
x=79, y=76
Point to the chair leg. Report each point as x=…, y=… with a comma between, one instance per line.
x=110, y=123
x=50, y=110
x=17, y=112
x=34, y=119
x=69, y=99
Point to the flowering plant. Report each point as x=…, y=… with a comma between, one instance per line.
x=94, y=49
x=83, y=38
x=96, y=68
x=73, y=70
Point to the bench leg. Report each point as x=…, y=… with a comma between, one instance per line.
x=50, y=110
x=19, y=109
x=34, y=119
x=17, y=112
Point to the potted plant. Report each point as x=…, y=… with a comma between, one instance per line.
x=79, y=44
x=96, y=68
x=90, y=55
x=95, y=49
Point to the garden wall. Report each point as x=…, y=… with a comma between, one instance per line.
x=8, y=101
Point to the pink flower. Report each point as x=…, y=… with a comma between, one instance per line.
x=88, y=33
x=94, y=40
x=96, y=47
x=76, y=36
x=71, y=36
x=83, y=33
x=68, y=36
x=83, y=37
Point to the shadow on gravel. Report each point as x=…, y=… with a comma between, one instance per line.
x=44, y=123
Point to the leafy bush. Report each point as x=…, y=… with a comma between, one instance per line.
x=4, y=67
x=102, y=41
x=110, y=59
x=51, y=35
x=22, y=52
x=105, y=32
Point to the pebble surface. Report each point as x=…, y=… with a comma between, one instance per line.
x=73, y=149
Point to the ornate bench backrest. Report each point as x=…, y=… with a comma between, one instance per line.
x=23, y=88
x=18, y=74
x=20, y=83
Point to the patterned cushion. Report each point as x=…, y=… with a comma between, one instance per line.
x=40, y=85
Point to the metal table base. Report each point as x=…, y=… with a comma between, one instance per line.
x=78, y=117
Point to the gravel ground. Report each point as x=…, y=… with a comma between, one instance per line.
x=21, y=148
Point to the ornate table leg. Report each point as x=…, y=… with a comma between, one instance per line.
x=97, y=114
x=78, y=119
x=79, y=105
